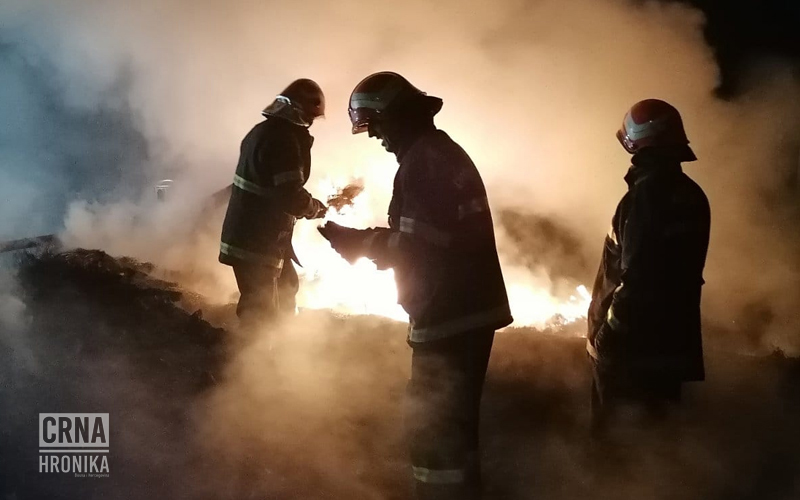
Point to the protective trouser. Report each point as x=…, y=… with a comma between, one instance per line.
x=615, y=384
x=442, y=414
x=264, y=297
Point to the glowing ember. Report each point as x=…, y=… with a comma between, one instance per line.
x=346, y=195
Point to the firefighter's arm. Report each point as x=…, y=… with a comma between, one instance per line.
x=353, y=244
x=419, y=230
x=281, y=166
x=386, y=247
x=600, y=302
x=638, y=238
x=424, y=194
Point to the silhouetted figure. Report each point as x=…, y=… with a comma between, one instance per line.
x=644, y=320
x=266, y=200
x=440, y=243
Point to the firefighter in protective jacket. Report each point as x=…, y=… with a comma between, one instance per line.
x=644, y=320
x=266, y=200
x=440, y=243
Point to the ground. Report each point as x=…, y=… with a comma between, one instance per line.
x=313, y=409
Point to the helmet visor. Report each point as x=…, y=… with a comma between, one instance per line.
x=360, y=118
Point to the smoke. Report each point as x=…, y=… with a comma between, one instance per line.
x=313, y=409
x=533, y=91
x=13, y=328
x=54, y=147
x=105, y=98
x=306, y=388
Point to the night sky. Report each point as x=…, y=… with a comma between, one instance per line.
x=742, y=30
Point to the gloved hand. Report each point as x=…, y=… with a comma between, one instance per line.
x=609, y=343
x=317, y=210
x=348, y=242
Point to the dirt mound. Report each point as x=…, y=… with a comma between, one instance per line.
x=312, y=408
x=101, y=335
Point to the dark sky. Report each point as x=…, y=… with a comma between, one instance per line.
x=741, y=30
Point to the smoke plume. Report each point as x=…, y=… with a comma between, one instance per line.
x=107, y=97
x=103, y=99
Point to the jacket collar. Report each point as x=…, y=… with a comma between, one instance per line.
x=409, y=142
x=646, y=166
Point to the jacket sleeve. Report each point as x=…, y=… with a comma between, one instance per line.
x=638, y=236
x=280, y=170
x=427, y=205
x=601, y=298
x=384, y=246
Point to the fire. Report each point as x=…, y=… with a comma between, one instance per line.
x=328, y=282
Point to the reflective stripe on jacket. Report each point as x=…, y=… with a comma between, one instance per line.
x=441, y=243
x=267, y=194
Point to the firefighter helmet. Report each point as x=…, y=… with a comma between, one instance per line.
x=386, y=95
x=301, y=102
x=654, y=123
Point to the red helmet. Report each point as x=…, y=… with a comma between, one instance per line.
x=384, y=95
x=308, y=95
x=654, y=123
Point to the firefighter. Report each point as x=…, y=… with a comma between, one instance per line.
x=440, y=243
x=644, y=336
x=267, y=198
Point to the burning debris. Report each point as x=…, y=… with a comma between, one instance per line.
x=200, y=422
x=346, y=195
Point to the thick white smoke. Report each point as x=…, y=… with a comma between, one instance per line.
x=103, y=98
x=533, y=90
x=13, y=328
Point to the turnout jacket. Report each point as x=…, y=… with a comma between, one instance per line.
x=267, y=195
x=441, y=244
x=645, y=309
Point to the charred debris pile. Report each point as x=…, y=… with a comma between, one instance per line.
x=94, y=303
x=101, y=335
x=322, y=418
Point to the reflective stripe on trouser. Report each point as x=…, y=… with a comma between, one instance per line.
x=252, y=257
x=457, y=325
x=442, y=414
x=439, y=476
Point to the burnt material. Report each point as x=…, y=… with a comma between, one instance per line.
x=49, y=240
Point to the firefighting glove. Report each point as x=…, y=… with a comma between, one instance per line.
x=348, y=242
x=316, y=210
x=609, y=343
